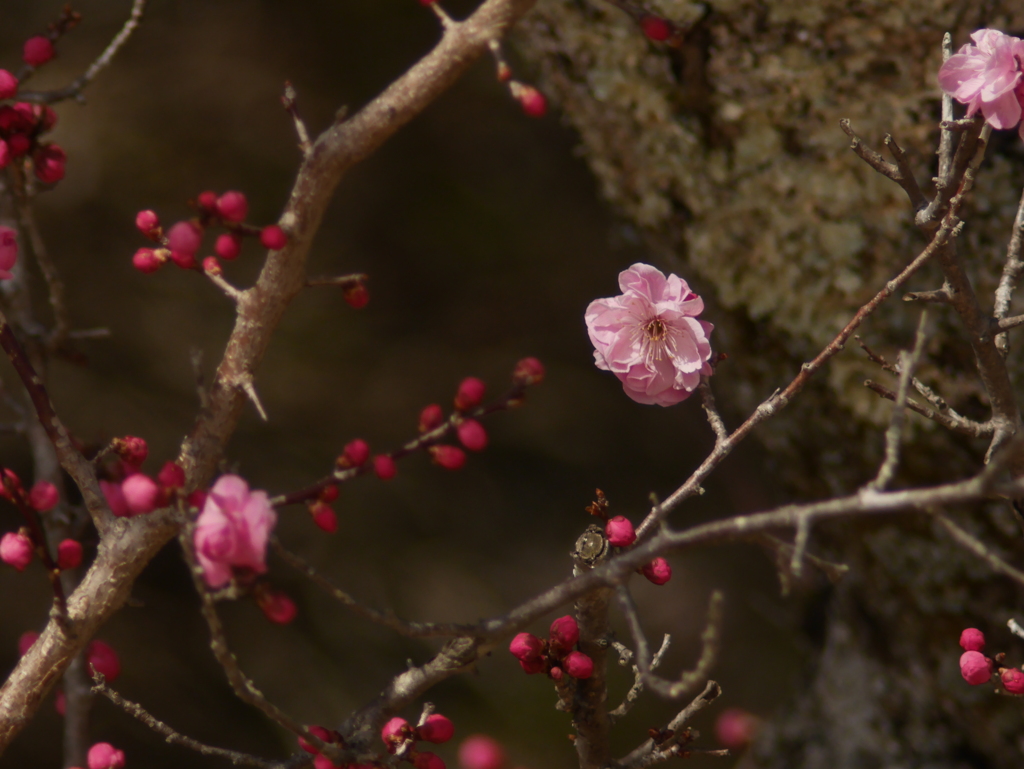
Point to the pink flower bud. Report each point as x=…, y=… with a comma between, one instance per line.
x=532, y=101
x=278, y=606
x=324, y=517
x=37, y=51
x=102, y=658
x=528, y=371
x=207, y=201
x=228, y=245
x=147, y=261
x=316, y=731
x=427, y=760
x=972, y=640
x=232, y=206
x=48, y=162
x=211, y=266
x=436, y=729
x=43, y=496
x=148, y=223
x=171, y=476
x=69, y=554
x=103, y=755
x=620, y=532
x=531, y=667
x=357, y=296
x=16, y=550
x=579, y=665
x=8, y=252
x=185, y=238
x=8, y=84
x=564, y=635
x=736, y=728
x=556, y=673
x=384, y=466
x=431, y=418
x=479, y=751
x=470, y=393
x=655, y=28
x=26, y=640
x=526, y=646
x=395, y=732
x=273, y=237
x=472, y=435
x=141, y=494
x=354, y=454
x=658, y=571
x=974, y=667
x=1013, y=680
x=448, y=457
x=183, y=260
x=115, y=498
x=132, y=449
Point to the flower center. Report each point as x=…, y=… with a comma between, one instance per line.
x=655, y=330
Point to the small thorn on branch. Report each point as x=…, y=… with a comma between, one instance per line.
x=288, y=100
x=247, y=386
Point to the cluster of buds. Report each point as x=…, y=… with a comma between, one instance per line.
x=619, y=532
x=17, y=547
x=977, y=669
x=471, y=434
x=182, y=241
x=557, y=656
x=128, y=490
x=22, y=123
x=400, y=738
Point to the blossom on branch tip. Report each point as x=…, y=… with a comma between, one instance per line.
x=533, y=102
x=526, y=646
x=16, y=550
x=8, y=252
x=232, y=530
x=436, y=729
x=975, y=668
x=37, y=51
x=132, y=449
x=103, y=755
x=479, y=751
x=69, y=554
x=148, y=223
x=649, y=336
x=987, y=76
x=972, y=640
x=211, y=266
x=620, y=532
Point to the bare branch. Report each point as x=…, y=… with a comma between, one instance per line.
x=901, y=173
x=951, y=421
x=975, y=546
x=1012, y=271
x=625, y=657
x=650, y=752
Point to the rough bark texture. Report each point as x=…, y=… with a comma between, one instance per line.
x=727, y=159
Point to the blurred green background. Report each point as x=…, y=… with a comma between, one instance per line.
x=484, y=240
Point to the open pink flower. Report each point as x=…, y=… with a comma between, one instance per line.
x=650, y=338
x=233, y=529
x=988, y=76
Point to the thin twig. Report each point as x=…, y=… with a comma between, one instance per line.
x=340, y=280
x=927, y=392
x=74, y=90
x=289, y=101
x=977, y=547
x=899, y=172
x=638, y=680
x=176, y=738
x=951, y=420
x=232, y=293
x=894, y=434
x=642, y=756
x=938, y=296
x=711, y=409
x=1012, y=271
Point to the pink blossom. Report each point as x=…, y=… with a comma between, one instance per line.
x=232, y=530
x=48, y=162
x=8, y=252
x=975, y=668
x=395, y=732
x=481, y=752
x=987, y=76
x=16, y=550
x=427, y=760
x=649, y=336
x=148, y=223
x=436, y=729
x=103, y=755
x=972, y=640
x=228, y=245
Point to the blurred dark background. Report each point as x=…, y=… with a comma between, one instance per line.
x=484, y=240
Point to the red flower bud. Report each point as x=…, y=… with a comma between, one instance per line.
x=103, y=659
x=620, y=532
x=232, y=206
x=69, y=554
x=472, y=435
x=356, y=295
x=436, y=729
x=148, y=223
x=277, y=606
x=171, y=476
x=579, y=665
x=354, y=454
x=273, y=237
x=324, y=517
x=448, y=457
x=43, y=496
x=528, y=371
x=395, y=732
x=658, y=571
x=228, y=245
x=146, y=260
x=972, y=640
x=975, y=668
x=564, y=635
x=37, y=51
x=384, y=467
x=431, y=418
x=526, y=646
x=1013, y=681
x=532, y=101
x=470, y=393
